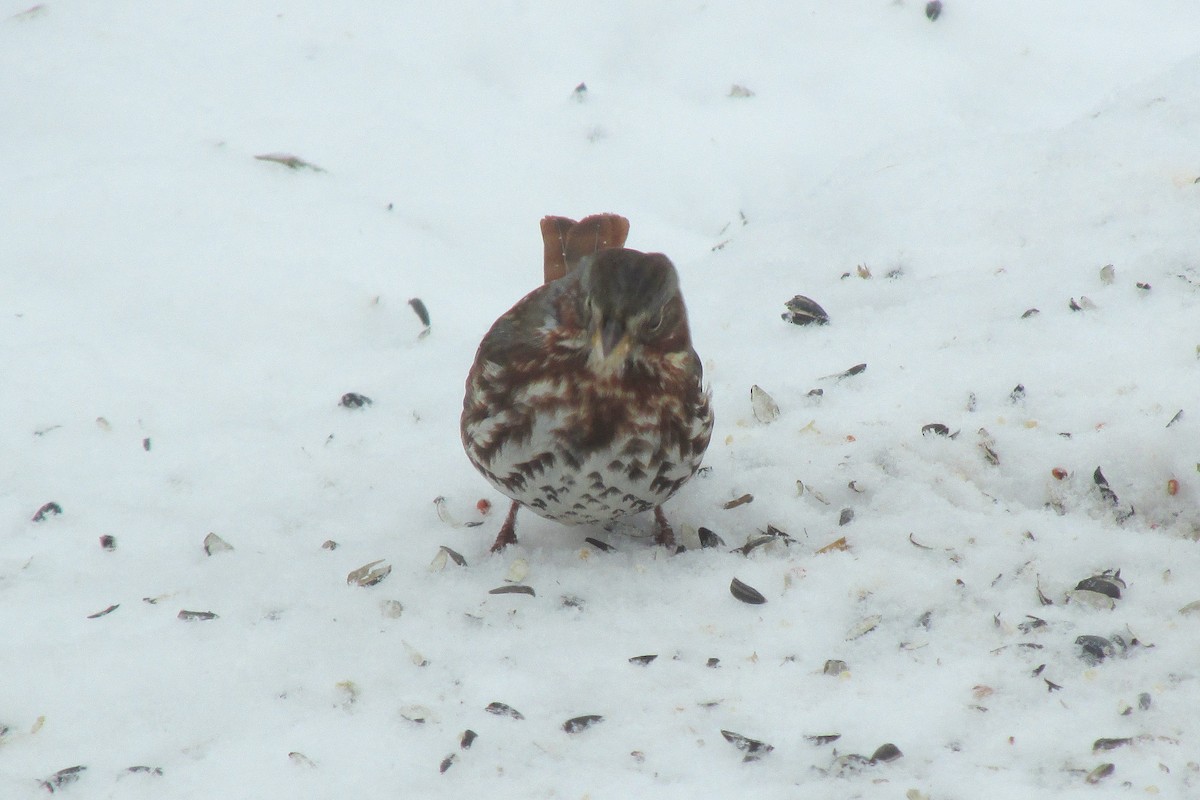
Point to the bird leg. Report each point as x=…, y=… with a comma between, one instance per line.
x=664, y=536
x=508, y=531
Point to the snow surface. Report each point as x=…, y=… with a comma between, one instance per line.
x=179, y=321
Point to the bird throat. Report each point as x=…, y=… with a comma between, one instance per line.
x=610, y=364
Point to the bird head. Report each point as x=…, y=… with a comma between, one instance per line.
x=631, y=301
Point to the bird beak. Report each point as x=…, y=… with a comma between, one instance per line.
x=611, y=334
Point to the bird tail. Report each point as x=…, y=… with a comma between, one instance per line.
x=566, y=241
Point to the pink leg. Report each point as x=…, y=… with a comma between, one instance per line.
x=664, y=537
x=508, y=531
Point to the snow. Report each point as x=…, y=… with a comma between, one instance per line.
x=179, y=321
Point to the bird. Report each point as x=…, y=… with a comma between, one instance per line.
x=586, y=401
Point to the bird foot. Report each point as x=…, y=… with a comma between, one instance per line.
x=508, y=531
x=664, y=536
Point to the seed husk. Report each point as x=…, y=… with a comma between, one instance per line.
x=1104, y=584
x=108, y=542
x=835, y=666
x=643, y=660
x=1105, y=491
x=746, y=593
x=500, y=710
x=355, y=400
x=447, y=762
x=215, y=544
x=514, y=588
x=739, y=501
x=1110, y=744
x=710, y=539
x=846, y=516
x=62, y=778
x=603, y=547
x=803, y=310
x=418, y=307
x=369, y=574
x=467, y=739
x=455, y=556
x=1100, y=773
x=823, y=738
x=196, y=616
x=108, y=610
x=886, y=752
x=47, y=510
x=576, y=724
x=765, y=409
x=753, y=748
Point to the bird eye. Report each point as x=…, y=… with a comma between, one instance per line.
x=656, y=326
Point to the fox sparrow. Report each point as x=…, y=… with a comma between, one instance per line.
x=585, y=402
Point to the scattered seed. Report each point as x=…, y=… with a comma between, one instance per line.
x=47, y=510
x=823, y=738
x=1038, y=670
x=299, y=759
x=986, y=444
x=1145, y=287
x=1108, y=585
x=1051, y=686
x=836, y=544
x=638, y=756
x=936, y=428
x=1094, y=649
x=579, y=93
x=468, y=738
x=746, y=593
x=329, y=544
x=1030, y=313
x=1108, y=274
x=753, y=748
x=846, y=516
x=864, y=627
x=1074, y=306
x=739, y=501
x=576, y=724
x=1017, y=394
x=766, y=410
x=1172, y=487
x=517, y=571
x=1059, y=473
x=603, y=547
x=835, y=667
x=108, y=610
x=855, y=370
x=214, y=544
x=355, y=400
x=454, y=555
x=108, y=542
x=713, y=663
x=156, y=771
x=737, y=90
x=196, y=616
x=290, y=161
x=514, y=588
x=1032, y=623
x=642, y=660
x=802, y=310
x=502, y=710
x=447, y=762
x=886, y=753
x=710, y=539
x=416, y=714
x=368, y=574
x=1110, y=744
x=1105, y=491
x=933, y=9
x=62, y=778
x=418, y=307
x=391, y=609
x=863, y=271
x=1100, y=773
x=1144, y=701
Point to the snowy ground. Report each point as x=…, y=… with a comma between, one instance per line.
x=178, y=321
